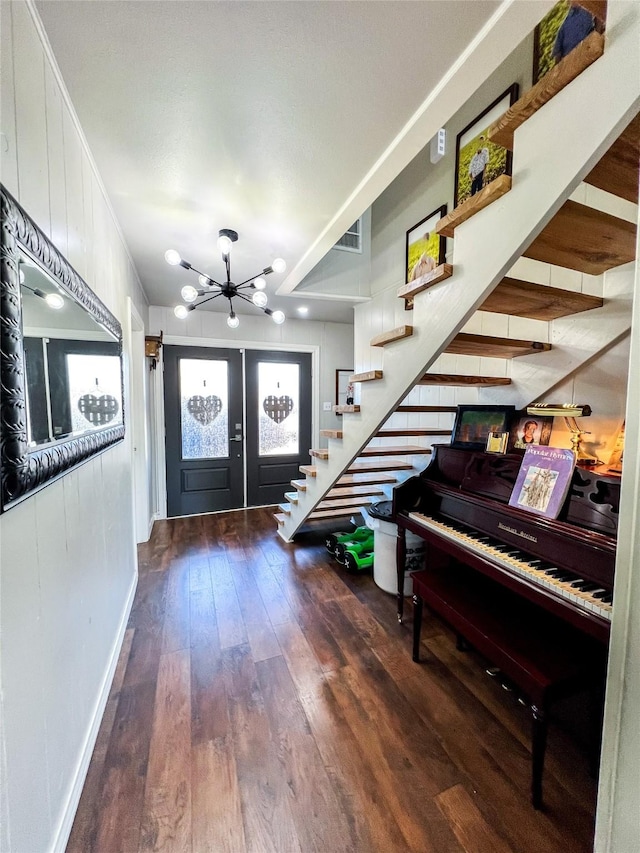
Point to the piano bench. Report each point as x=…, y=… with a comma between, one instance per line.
x=544, y=657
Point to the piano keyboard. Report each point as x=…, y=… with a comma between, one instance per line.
x=567, y=585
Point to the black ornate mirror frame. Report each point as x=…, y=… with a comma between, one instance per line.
x=24, y=470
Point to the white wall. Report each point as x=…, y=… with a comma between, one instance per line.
x=335, y=342
x=67, y=554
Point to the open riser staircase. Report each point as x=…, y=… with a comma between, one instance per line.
x=485, y=249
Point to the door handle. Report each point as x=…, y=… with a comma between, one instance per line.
x=236, y=438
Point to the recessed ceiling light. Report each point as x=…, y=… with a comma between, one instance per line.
x=303, y=310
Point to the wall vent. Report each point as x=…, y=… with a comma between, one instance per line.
x=351, y=240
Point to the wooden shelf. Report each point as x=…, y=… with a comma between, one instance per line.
x=538, y=302
x=492, y=347
x=584, y=239
x=331, y=433
x=400, y=450
x=617, y=171
x=454, y=379
x=406, y=433
x=501, y=131
x=346, y=410
x=390, y=337
x=440, y=273
x=426, y=409
x=321, y=453
x=369, y=376
x=492, y=192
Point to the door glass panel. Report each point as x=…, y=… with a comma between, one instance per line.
x=204, y=407
x=94, y=392
x=278, y=408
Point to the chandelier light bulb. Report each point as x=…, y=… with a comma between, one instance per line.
x=260, y=283
x=172, y=257
x=278, y=317
x=279, y=265
x=259, y=298
x=232, y=321
x=21, y=277
x=189, y=293
x=224, y=244
x=54, y=300
x=204, y=280
x=181, y=312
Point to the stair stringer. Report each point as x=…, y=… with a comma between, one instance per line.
x=486, y=246
x=576, y=341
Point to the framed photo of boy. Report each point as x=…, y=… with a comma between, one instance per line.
x=479, y=161
x=474, y=423
x=425, y=249
x=528, y=430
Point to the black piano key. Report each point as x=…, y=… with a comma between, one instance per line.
x=599, y=594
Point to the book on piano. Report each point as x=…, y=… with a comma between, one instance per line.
x=543, y=480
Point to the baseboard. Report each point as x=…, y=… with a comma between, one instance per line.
x=61, y=836
x=155, y=517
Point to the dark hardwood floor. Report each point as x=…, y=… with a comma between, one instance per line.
x=267, y=701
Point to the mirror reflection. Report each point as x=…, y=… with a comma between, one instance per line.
x=73, y=379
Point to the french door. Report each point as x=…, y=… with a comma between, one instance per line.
x=211, y=395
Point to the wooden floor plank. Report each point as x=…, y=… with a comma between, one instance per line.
x=332, y=740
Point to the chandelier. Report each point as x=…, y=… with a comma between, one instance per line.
x=210, y=289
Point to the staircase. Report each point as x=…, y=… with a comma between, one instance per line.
x=537, y=215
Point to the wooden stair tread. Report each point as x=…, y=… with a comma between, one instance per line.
x=368, y=376
x=377, y=478
x=536, y=301
x=331, y=513
x=346, y=410
x=501, y=131
x=390, y=433
x=584, y=239
x=286, y=508
x=309, y=470
x=353, y=491
x=493, y=191
x=300, y=485
x=280, y=518
x=440, y=273
x=320, y=453
x=455, y=379
x=425, y=409
x=363, y=467
x=390, y=337
x=492, y=347
x=617, y=171
x=400, y=450
x=354, y=502
x=331, y=433
x=292, y=497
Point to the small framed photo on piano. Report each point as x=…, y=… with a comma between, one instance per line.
x=528, y=430
x=473, y=425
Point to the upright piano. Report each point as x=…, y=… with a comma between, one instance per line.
x=504, y=577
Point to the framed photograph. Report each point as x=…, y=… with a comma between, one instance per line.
x=473, y=425
x=479, y=161
x=528, y=430
x=344, y=388
x=425, y=249
x=546, y=34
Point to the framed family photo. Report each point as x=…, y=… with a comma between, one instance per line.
x=425, y=250
x=479, y=161
x=474, y=424
x=529, y=430
x=545, y=51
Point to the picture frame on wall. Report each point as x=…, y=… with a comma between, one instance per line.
x=478, y=160
x=474, y=424
x=342, y=387
x=529, y=431
x=425, y=250
x=546, y=34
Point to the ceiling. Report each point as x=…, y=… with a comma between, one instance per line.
x=264, y=117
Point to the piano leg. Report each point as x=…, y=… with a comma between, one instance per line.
x=538, y=746
x=417, y=624
x=401, y=558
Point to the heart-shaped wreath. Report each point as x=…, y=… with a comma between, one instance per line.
x=204, y=409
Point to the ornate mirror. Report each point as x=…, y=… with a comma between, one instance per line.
x=60, y=362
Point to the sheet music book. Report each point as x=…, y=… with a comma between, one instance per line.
x=543, y=480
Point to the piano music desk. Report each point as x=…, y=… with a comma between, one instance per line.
x=543, y=656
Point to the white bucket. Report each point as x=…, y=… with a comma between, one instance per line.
x=384, y=556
